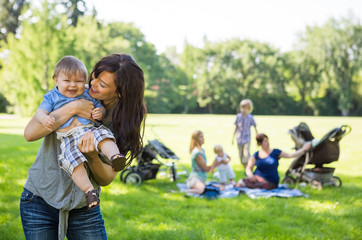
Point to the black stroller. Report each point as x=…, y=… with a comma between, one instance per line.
x=322, y=152
x=147, y=168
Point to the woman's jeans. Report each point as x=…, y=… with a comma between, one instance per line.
x=40, y=220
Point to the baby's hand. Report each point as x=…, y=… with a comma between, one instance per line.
x=97, y=114
x=49, y=123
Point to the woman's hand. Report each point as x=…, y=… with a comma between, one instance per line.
x=86, y=145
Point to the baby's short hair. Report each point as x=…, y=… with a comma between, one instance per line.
x=70, y=65
x=217, y=147
x=247, y=102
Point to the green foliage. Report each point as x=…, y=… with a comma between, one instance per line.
x=337, y=46
x=74, y=9
x=9, y=16
x=27, y=72
x=190, y=59
x=321, y=76
x=228, y=71
x=304, y=73
x=46, y=37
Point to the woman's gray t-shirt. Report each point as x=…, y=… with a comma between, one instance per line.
x=47, y=180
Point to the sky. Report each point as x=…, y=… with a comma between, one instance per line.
x=172, y=22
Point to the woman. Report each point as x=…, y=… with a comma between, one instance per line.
x=267, y=161
x=196, y=181
x=51, y=205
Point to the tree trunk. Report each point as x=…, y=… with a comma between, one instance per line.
x=186, y=105
x=211, y=111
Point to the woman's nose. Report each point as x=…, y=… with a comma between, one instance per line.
x=95, y=83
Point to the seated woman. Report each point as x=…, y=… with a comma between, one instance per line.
x=196, y=181
x=267, y=161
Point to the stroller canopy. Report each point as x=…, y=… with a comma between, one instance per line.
x=325, y=150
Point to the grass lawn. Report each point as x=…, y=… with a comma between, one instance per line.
x=151, y=211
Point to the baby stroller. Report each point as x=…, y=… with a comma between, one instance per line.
x=147, y=168
x=322, y=152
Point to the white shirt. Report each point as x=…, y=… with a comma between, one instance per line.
x=222, y=166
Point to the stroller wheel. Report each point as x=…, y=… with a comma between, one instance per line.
x=289, y=181
x=123, y=174
x=133, y=178
x=337, y=181
x=315, y=184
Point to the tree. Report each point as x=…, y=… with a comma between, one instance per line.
x=337, y=45
x=305, y=74
x=189, y=62
x=9, y=17
x=74, y=9
x=230, y=70
x=28, y=69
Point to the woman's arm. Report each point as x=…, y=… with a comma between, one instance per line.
x=297, y=153
x=35, y=130
x=201, y=162
x=217, y=163
x=213, y=166
x=102, y=172
x=250, y=166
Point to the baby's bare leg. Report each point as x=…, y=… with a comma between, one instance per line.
x=80, y=178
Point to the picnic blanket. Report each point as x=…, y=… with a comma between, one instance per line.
x=230, y=192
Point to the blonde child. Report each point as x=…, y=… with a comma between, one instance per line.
x=244, y=121
x=222, y=161
x=70, y=76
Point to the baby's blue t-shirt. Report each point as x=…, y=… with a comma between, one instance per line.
x=54, y=100
x=268, y=167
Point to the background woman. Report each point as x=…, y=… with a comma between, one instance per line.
x=196, y=181
x=267, y=161
x=51, y=205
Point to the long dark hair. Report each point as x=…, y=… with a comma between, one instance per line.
x=129, y=114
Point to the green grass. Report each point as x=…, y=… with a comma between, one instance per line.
x=150, y=211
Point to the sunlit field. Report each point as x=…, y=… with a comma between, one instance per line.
x=155, y=211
